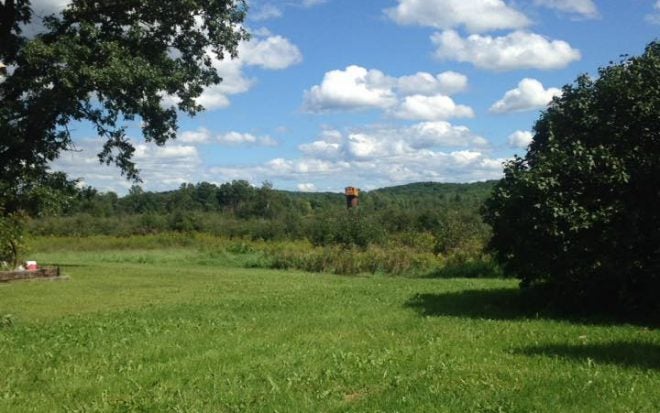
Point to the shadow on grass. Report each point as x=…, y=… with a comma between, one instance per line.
x=503, y=303
x=622, y=353
x=471, y=269
x=506, y=304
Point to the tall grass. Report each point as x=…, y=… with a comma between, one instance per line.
x=396, y=259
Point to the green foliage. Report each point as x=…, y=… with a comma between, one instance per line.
x=413, y=234
x=6, y=321
x=49, y=194
x=349, y=228
x=457, y=230
x=105, y=63
x=11, y=239
x=433, y=220
x=348, y=261
x=578, y=215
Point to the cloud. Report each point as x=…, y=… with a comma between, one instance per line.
x=353, y=88
x=375, y=155
x=41, y=9
x=312, y=3
x=233, y=82
x=363, y=146
x=268, y=52
x=306, y=187
x=272, y=52
x=520, y=139
x=654, y=17
x=144, y=152
x=516, y=50
x=529, y=95
x=161, y=167
x=265, y=12
x=432, y=134
x=424, y=165
x=232, y=138
x=422, y=83
x=476, y=16
x=236, y=138
x=380, y=155
x=321, y=149
x=439, y=107
x=294, y=169
x=260, y=11
x=201, y=135
x=579, y=8
x=385, y=141
x=420, y=96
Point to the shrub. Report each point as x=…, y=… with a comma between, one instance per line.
x=578, y=215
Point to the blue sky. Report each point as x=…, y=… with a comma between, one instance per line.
x=380, y=93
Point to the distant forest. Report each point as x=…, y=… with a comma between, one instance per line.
x=444, y=211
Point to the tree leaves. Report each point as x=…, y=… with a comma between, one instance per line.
x=579, y=212
x=107, y=63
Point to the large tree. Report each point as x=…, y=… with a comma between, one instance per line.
x=579, y=214
x=106, y=62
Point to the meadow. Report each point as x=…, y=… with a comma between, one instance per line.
x=185, y=324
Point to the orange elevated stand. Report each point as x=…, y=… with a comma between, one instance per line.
x=351, y=196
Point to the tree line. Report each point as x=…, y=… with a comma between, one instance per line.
x=448, y=212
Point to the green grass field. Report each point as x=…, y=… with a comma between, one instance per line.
x=192, y=330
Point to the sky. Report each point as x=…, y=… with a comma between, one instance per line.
x=376, y=93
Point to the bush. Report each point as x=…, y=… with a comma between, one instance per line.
x=349, y=260
x=578, y=215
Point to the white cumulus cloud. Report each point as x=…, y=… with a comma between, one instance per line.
x=420, y=96
x=529, y=95
x=321, y=149
x=161, y=167
x=520, y=139
x=380, y=155
x=422, y=83
x=516, y=50
x=439, y=107
x=234, y=138
x=233, y=82
x=580, y=8
x=306, y=187
x=388, y=141
x=272, y=52
x=400, y=168
x=441, y=133
x=475, y=15
x=201, y=135
x=351, y=89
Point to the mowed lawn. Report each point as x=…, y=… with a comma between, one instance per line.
x=179, y=330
